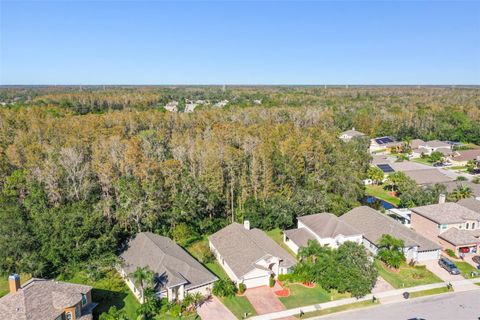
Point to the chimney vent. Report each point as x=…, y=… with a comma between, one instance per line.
x=441, y=198
x=246, y=224
x=14, y=283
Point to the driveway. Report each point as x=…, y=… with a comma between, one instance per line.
x=381, y=286
x=443, y=274
x=264, y=300
x=213, y=309
x=468, y=258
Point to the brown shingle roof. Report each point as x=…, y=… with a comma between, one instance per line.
x=446, y=213
x=41, y=299
x=171, y=264
x=374, y=224
x=242, y=248
x=452, y=185
x=300, y=236
x=470, y=203
x=466, y=155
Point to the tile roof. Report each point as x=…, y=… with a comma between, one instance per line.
x=327, y=225
x=374, y=224
x=461, y=237
x=428, y=176
x=171, y=264
x=242, y=248
x=41, y=299
x=446, y=213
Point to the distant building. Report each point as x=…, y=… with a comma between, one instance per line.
x=428, y=176
x=350, y=134
x=461, y=158
x=41, y=299
x=384, y=144
x=172, y=106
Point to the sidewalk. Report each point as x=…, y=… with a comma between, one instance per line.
x=386, y=294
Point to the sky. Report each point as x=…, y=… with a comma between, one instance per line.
x=239, y=42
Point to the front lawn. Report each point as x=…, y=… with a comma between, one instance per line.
x=423, y=161
x=108, y=291
x=238, y=306
x=406, y=276
x=466, y=269
x=379, y=192
x=4, y=289
x=277, y=236
x=322, y=312
x=429, y=292
x=303, y=296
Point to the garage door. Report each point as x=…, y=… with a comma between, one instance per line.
x=428, y=255
x=256, y=282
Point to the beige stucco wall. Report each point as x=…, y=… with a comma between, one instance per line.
x=425, y=227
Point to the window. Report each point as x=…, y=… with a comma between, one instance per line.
x=442, y=226
x=78, y=312
x=473, y=225
x=68, y=315
x=84, y=299
x=467, y=225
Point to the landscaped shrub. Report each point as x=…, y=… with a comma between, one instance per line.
x=271, y=281
x=286, y=277
x=461, y=178
x=241, y=288
x=224, y=288
x=450, y=253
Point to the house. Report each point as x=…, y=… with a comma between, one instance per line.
x=403, y=215
x=436, y=146
x=461, y=158
x=326, y=228
x=416, y=143
x=450, y=224
x=177, y=273
x=42, y=299
x=373, y=224
x=385, y=144
x=249, y=256
x=428, y=176
x=172, y=106
x=350, y=134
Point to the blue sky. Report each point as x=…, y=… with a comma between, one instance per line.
x=227, y=42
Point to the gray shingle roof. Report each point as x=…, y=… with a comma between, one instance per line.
x=428, y=176
x=299, y=236
x=242, y=248
x=437, y=144
x=373, y=224
x=327, y=225
x=470, y=203
x=446, y=213
x=460, y=237
x=41, y=300
x=171, y=264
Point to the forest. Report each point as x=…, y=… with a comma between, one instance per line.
x=84, y=168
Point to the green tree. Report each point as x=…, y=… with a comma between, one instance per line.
x=436, y=157
x=460, y=192
x=224, y=288
x=143, y=278
x=376, y=174
x=390, y=250
x=114, y=314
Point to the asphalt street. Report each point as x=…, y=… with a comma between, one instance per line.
x=457, y=306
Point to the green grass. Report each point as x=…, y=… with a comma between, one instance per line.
x=456, y=168
x=277, y=236
x=302, y=296
x=429, y=292
x=108, y=291
x=406, y=276
x=351, y=306
x=238, y=306
x=466, y=269
x=4, y=289
x=213, y=266
x=423, y=161
x=380, y=193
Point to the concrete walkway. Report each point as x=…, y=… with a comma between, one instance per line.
x=390, y=296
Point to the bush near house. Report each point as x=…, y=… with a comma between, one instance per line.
x=241, y=288
x=224, y=288
x=450, y=253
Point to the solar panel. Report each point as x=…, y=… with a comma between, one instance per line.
x=385, y=168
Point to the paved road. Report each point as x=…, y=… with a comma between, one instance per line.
x=463, y=305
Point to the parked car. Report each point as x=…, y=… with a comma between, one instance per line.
x=449, y=266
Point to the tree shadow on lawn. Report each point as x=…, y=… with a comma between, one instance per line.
x=107, y=299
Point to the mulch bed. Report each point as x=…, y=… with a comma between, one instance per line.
x=285, y=292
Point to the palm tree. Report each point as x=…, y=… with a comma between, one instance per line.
x=461, y=192
x=142, y=277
